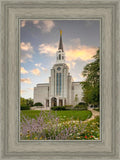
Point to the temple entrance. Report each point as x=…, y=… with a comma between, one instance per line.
x=60, y=102
x=53, y=102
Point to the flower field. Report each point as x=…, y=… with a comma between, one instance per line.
x=58, y=125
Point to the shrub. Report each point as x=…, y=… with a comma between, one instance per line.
x=68, y=107
x=38, y=104
x=82, y=103
x=81, y=106
x=55, y=108
x=24, y=107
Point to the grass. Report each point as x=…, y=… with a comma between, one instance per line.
x=63, y=115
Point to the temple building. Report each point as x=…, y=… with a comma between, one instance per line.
x=61, y=89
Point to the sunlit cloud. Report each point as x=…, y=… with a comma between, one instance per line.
x=84, y=53
x=80, y=75
x=44, y=69
x=44, y=25
x=75, y=78
x=72, y=52
x=23, y=71
x=35, y=21
x=68, y=65
x=22, y=61
x=26, y=56
x=38, y=64
x=23, y=91
x=23, y=23
x=71, y=64
x=31, y=88
x=36, y=72
x=48, y=49
x=26, y=46
x=48, y=25
x=26, y=52
x=26, y=80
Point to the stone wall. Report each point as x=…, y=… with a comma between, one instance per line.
x=41, y=93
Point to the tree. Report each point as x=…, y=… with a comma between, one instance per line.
x=29, y=102
x=26, y=102
x=91, y=85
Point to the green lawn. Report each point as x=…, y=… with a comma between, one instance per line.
x=63, y=115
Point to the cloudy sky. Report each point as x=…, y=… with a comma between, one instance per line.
x=39, y=41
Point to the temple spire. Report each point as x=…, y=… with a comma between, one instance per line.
x=60, y=42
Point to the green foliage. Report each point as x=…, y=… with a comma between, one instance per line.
x=25, y=107
x=55, y=108
x=81, y=107
x=38, y=104
x=68, y=107
x=91, y=85
x=82, y=103
x=26, y=102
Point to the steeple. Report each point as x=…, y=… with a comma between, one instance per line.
x=60, y=55
x=60, y=42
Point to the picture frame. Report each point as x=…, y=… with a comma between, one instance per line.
x=108, y=13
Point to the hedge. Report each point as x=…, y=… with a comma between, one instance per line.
x=81, y=106
x=38, y=104
x=25, y=107
x=55, y=108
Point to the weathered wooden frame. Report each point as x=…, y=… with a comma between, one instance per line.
x=108, y=13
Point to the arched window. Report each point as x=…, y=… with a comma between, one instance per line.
x=58, y=84
x=62, y=57
x=59, y=56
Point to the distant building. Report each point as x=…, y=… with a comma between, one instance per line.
x=61, y=89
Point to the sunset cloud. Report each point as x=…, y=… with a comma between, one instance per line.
x=23, y=91
x=38, y=64
x=26, y=52
x=25, y=56
x=23, y=71
x=26, y=80
x=81, y=76
x=71, y=64
x=68, y=65
x=36, y=21
x=36, y=72
x=48, y=49
x=31, y=88
x=72, y=52
x=26, y=46
x=75, y=78
x=44, y=26
x=48, y=25
x=44, y=69
x=84, y=53
x=23, y=23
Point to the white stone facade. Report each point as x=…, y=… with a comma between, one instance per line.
x=61, y=89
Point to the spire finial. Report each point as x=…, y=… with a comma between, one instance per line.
x=60, y=32
x=60, y=43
